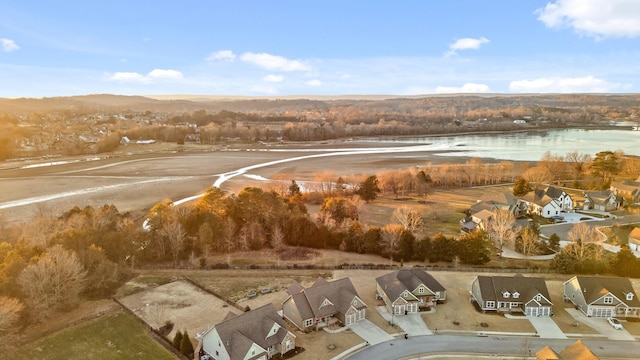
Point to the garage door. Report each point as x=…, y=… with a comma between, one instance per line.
x=602, y=312
x=545, y=311
x=352, y=318
x=531, y=311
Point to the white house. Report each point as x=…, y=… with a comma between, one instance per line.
x=548, y=202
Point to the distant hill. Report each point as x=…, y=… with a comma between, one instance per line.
x=385, y=103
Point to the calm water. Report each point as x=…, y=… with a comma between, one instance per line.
x=527, y=146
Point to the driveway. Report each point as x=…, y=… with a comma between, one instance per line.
x=546, y=327
x=602, y=326
x=370, y=332
x=412, y=324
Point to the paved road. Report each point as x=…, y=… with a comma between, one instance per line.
x=492, y=345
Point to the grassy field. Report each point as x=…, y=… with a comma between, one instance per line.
x=113, y=336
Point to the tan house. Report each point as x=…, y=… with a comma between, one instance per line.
x=604, y=200
x=323, y=304
x=409, y=290
x=629, y=190
x=258, y=334
x=577, y=351
x=600, y=296
x=634, y=239
x=507, y=294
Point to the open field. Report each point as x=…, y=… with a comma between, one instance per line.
x=113, y=336
x=180, y=302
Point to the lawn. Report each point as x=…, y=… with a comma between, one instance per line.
x=113, y=336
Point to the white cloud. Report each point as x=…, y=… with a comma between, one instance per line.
x=9, y=45
x=314, y=82
x=156, y=74
x=274, y=62
x=466, y=44
x=165, y=74
x=273, y=78
x=466, y=88
x=588, y=84
x=226, y=55
x=127, y=77
x=595, y=18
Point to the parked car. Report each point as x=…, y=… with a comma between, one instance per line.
x=615, y=323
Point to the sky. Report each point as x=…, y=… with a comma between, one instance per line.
x=312, y=47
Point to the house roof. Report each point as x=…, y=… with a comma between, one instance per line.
x=239, y=333
x=634, y=235
x=544, y=196
x=547, y=353
x=553, y=192
x=295, y=288
x=499, y=198
x=325, y=298
x=484, y=215
x=577, y=351
x=627, y=186
x=397, y=282
x=595, y=287
x=599, y=197
x=495, y=287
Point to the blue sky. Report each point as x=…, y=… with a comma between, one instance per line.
x=329, y=47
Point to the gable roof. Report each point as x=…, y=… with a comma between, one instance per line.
x=626, y=186
x=395, y=283
x=553, y=192
x=239, y=333
x=635, y=234
x=599, y=197
x=325, y=298
x=547, y=353
x=595, y=287
x=495, y=287
x=577, y=351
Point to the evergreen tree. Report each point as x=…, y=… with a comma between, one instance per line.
x=368, y=190
x=521, y=187
x=186, y=347
x=177, y=340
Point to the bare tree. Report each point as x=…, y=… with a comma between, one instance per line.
x=502, y=228
x=55, y=280
x=578, y=163
x=529, y=240
x=409, y=218
x=10, y=309
x=537, y=175
x=277, y=238
x=581, y=235
x=391, y=234
x=175, y=234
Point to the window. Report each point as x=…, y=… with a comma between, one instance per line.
x=516, y=295
x=421, y=290
x=287, y=344
x=630, y=296
x=354, y=302
x=506, y=294
x=491, y=304
x=308, y=323
x=538, y=297
x=608, y=300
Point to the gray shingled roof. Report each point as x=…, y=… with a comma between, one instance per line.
x=395, y=283
x=339, y=293
x=239, y=333
x=594, y=287
x=493, y=287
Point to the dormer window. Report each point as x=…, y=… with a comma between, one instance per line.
x=506, y=294
x=629, y=296
x=516, y=295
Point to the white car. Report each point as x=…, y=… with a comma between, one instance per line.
x=615, y=323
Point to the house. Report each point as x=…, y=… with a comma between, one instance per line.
x=604, y=200
x=481, y=213
x=634, y=239
x=548, y=202
x=599, y=296
x=577, y=351
x=257, y=334
x=628, y=190
x=506, y=294
x=408, y=290
x=322, y=304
